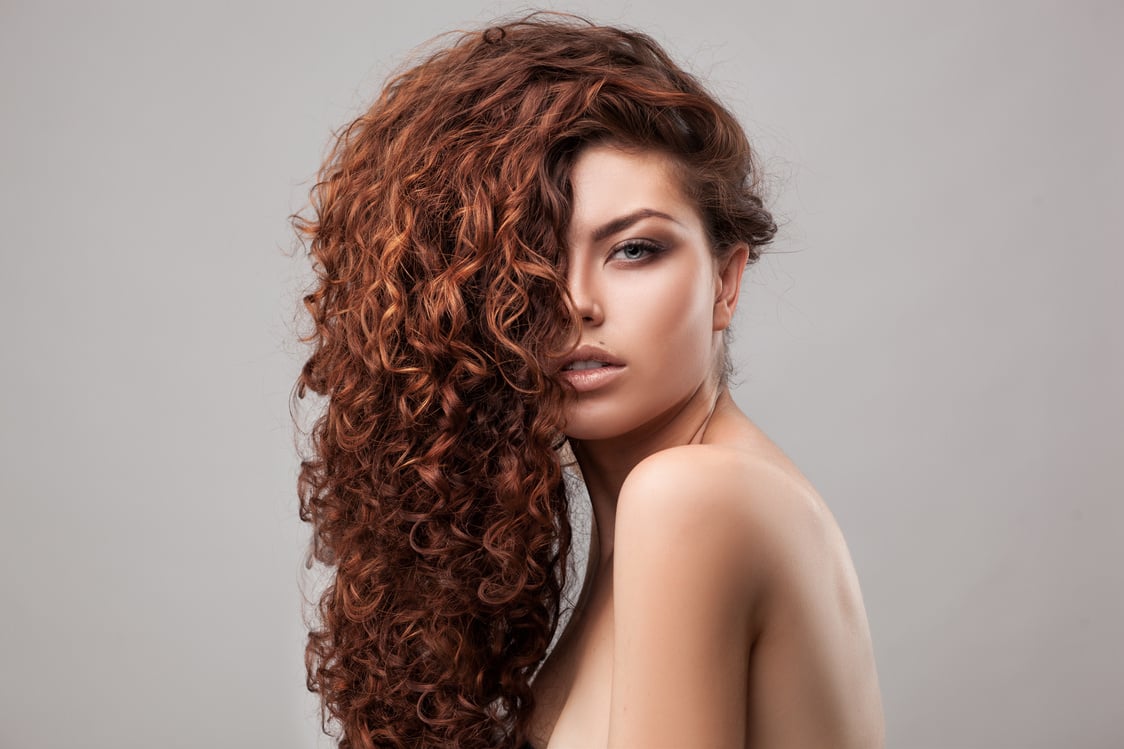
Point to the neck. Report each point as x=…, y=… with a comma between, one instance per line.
x=605, y=464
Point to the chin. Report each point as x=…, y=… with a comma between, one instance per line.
x=590, y=428
x=593, y=424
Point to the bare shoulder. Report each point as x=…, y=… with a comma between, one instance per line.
x=694, y=503
x=727, y=473
x=764, y=514
x=714, y=544
x=749, y=512
x=696, y=550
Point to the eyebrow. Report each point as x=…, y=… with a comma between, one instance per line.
x=622, y=223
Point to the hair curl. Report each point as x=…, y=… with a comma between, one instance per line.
x=433, y=481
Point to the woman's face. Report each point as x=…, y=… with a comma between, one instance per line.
x=652, y=298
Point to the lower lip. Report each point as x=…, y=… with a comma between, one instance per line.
x=584, y=380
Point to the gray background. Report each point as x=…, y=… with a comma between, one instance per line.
x=931, y=342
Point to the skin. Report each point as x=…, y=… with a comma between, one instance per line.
x=720, y=607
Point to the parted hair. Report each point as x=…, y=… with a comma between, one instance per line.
x=432, y=477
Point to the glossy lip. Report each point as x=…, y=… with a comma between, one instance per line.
x=588, y=353
x=584, y=380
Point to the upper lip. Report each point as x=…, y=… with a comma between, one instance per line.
x=588, y=353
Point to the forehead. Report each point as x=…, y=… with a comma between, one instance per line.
x=609, y=182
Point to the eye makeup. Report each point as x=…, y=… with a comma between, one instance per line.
x=637, y=250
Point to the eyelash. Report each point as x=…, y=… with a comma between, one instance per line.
x=651, y=248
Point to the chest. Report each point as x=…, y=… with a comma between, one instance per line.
x=574, y=687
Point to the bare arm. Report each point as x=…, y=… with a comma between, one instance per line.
x=686, y=583
x=715, y=555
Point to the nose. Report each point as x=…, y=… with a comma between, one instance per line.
x=586, y=296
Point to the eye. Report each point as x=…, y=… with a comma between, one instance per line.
x=636, y=249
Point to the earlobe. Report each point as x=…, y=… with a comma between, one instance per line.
x=729, y=284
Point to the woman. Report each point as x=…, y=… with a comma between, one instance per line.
x=532, y=244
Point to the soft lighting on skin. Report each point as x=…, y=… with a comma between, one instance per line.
x=643, y=277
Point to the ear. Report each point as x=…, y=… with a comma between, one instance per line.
x=728, y=284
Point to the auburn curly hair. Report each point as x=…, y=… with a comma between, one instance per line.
x=432, y=478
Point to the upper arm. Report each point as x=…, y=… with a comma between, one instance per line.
x=687, y=578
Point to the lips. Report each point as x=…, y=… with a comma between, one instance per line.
x=579, y=366
x=589, y=368
x=588, y=357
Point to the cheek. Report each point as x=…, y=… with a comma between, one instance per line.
x=673, y=316
x=662, y=323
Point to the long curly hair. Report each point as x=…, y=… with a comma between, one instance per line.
x=432, y=477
